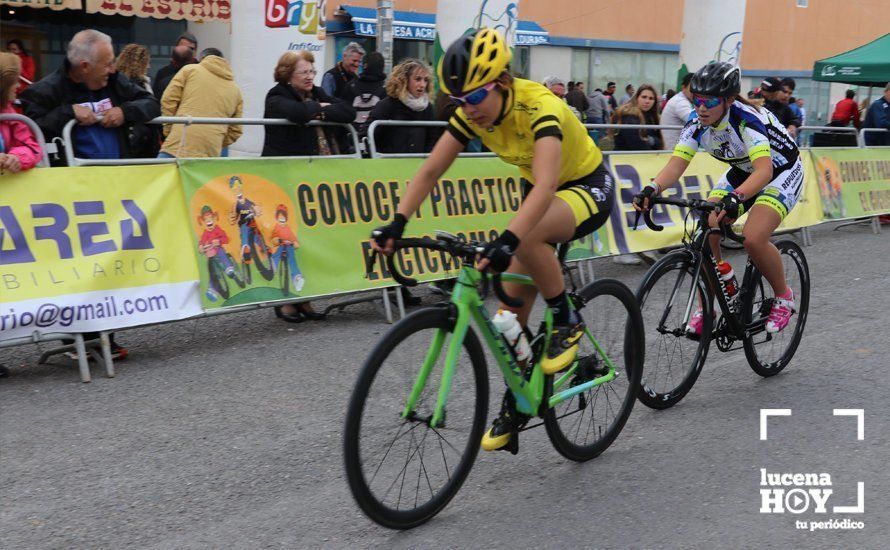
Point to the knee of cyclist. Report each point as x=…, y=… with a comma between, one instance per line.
x=755, y=242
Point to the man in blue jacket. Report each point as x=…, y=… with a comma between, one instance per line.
x=109, y=108
x=878, y=116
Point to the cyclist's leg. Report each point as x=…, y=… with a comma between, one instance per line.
x=771, y=206
x=276, y=257
x=292, y=261
x=762, y=222
x=244, y=232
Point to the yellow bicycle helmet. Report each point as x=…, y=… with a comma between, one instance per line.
x=473, y=60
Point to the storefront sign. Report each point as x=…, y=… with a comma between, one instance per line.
x=405, y=31
x=51, y=4
x=191, y=10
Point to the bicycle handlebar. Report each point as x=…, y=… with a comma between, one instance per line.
x=466, y=251
x=695, y=204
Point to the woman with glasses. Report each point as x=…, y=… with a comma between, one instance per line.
x=569, y=193
x=297, y=98
x=765, y=177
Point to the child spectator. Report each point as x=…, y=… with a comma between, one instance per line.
x=19, y=149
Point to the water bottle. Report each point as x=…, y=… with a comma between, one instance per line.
x=507, y=324
x=727, y=275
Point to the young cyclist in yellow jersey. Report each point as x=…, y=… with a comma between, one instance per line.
x=569, y=191
x=765, y=177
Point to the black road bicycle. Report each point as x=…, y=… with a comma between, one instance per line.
x=688, y=278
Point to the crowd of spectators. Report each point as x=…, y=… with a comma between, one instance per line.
x=113, y=101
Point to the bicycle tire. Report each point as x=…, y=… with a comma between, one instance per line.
x=261, y=257
x=756, y=348
x=623, y=387
x=376, y=508
x=218, y=278
x=664, y=344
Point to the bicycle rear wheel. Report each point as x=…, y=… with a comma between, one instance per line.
x=768, y=353
x=402, y=471
x=674, y=359
x=584, y=425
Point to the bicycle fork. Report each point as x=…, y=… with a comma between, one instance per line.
x=451, y=355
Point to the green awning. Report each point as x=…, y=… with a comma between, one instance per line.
x=867, y=65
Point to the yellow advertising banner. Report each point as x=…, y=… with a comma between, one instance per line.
x=632, y=172
x=190, y=10
x=94, y=248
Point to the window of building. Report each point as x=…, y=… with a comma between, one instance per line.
x=596, y=67
x=521, y=64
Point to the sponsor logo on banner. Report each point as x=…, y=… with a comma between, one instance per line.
x=78, y=257
x=283, y=230
x=293, y=13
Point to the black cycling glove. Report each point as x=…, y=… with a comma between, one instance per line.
x=392, y=230
x=499, y=252
x=647, y=193
x=733, y=205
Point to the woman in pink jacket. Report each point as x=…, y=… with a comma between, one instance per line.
x=19, y=149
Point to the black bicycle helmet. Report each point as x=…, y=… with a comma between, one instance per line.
x=718, y=79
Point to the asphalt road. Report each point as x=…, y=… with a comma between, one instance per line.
x=226, y=433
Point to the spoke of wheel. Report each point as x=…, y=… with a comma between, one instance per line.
x=399, y=435
x=435, y=431
x=402, y=472
x=444, y=460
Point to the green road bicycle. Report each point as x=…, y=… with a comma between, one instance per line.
x=418, y=409
x=688, y=278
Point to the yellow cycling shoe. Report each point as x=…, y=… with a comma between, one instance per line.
x=494, y=440
x=504, y=426
x=563, y=348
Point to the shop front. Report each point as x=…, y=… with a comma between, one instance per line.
x=46, y=26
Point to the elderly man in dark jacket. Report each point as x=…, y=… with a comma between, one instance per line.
x=111, y=110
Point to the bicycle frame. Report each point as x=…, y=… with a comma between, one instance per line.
x=702, y=253
x=529, y=394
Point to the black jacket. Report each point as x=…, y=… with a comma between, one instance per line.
x=49, y=103
x=373, y=84
x=341, y=77
x=636, y=140
x=402, y=139
x=783, y=112
x=282, y=101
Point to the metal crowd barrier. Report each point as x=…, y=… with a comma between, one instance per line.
x=74, y=161
x=372, y=142
x=585, y=267
x=38, y=135
x=862, y=136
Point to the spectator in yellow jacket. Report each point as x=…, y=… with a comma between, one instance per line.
x=206, y=89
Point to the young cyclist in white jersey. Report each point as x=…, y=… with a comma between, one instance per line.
x=569, y=193
x=765, y=178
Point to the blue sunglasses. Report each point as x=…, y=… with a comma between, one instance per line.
x=708, y=102
x=475, y=97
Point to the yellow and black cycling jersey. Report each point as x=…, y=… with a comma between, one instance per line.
x=531, y=112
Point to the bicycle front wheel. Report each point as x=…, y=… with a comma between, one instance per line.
x=585, y=424
x=674, y=357
x=401, y=470
x=768, y=353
